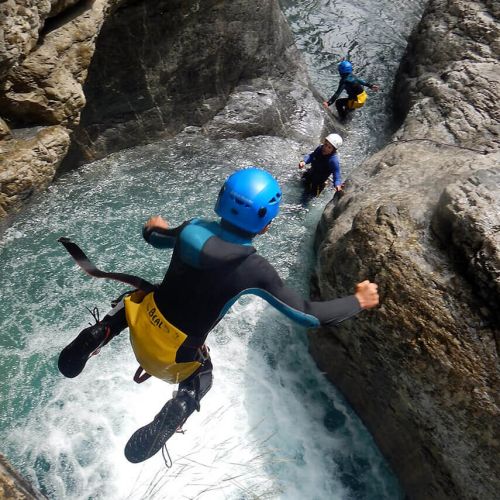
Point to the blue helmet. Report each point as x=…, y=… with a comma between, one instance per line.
x=345, y=67
x=249, y=199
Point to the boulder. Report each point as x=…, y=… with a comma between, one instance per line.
x=231, y=68
x=421, y=218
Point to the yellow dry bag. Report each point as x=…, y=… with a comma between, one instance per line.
x=359, y=102
x=155, y=341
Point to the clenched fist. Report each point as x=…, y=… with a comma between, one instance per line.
x=367, y=294
x=156, y=221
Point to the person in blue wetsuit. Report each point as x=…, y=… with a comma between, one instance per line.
x=324, y=162
x=356, y=95
x=213, y=264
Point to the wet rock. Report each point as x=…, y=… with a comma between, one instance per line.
x=467, y=222
x=29, y=163
x=13, y=486
x=231, y=68
x=421, y=218
x=48, y=46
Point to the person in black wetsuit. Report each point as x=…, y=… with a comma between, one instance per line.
x=356, y=95
x=212, y=265
x=324, y=162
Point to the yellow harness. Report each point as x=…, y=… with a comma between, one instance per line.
x=359, y=102
x=154, y=340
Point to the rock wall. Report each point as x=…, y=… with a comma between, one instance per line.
x=422, y=218
x=229, y=67
x=45, y=49
x=94, y=76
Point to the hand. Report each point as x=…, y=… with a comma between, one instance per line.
x=375, y=87
x=367, y=294
x=338, y=188
x=156, y=221
x=302, y=164
x=325, y=104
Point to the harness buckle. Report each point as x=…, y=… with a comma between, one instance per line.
x=202, y=354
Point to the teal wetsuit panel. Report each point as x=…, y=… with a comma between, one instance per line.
x=299, y=317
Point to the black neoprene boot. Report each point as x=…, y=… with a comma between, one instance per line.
x=74, y=356
x=148, y=440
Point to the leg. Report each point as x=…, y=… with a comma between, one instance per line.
x=73, y=357
x=341, y=105
x=148, y=440
x=318, y=188
x=307, y=188
x=197, y=385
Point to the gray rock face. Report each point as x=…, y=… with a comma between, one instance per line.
x=229, y=67
x=422, y=219
x=467, y=222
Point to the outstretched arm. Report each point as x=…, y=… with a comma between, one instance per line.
x=306, y=312
x=310, y=157
x=371, y=86
x=335, y=169
x=336, y=95
x=329, y=312
x=307, y=159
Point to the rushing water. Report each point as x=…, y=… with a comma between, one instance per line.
x=372, y=35
x=272, y=426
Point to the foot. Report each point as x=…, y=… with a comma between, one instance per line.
x=149, y=439
x=73, y=357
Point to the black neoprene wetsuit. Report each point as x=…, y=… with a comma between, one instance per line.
x=211, y=267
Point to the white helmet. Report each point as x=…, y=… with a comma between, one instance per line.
x=335, y=140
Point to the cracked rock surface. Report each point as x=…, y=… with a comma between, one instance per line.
x=422, y=219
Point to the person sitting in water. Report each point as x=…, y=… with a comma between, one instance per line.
x=324, y=162
x=356, y=95
x=212, y=265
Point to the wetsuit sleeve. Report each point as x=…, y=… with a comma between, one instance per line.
x=162, y=238
x=294, y=306
x=335, y=167
x=364, y=83
x=337, y=93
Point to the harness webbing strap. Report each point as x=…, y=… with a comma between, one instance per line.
x=141, y=375
x=83, y=261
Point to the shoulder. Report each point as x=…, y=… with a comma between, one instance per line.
x=334, y=159
x=198, y=229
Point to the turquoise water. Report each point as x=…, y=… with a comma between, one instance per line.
x=272, y=426
x=372, y=35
